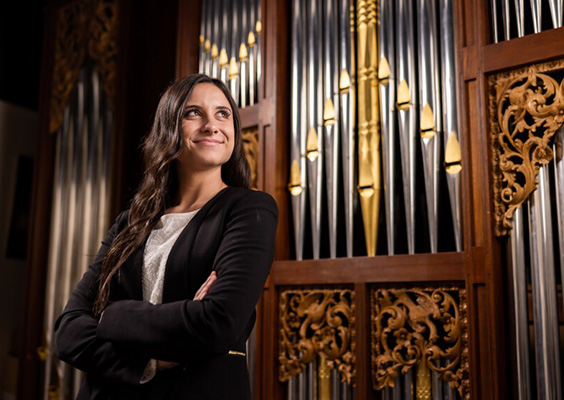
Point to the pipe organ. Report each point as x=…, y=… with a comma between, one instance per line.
x=415, y=150
x=230, y=50
x=402, y=113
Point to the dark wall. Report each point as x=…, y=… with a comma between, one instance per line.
x=146, y=65
x=21, y=41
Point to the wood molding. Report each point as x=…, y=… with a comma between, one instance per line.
x=400, y=268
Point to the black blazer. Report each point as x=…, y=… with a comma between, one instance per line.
x=232, y=234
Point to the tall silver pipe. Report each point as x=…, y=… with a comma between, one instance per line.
x=203, y=16
x=544, y=291
x=258, y=68
x=315, y=136
x=235, y=28
x=536, y=11
x=558, y=148
x=451, y=129
x=298, y=135
x=346, y=116
x=56, y=238
x=258, y=31
x=407, y=109
x=252, y=75
x=292, y=388
x=303, y=386
x=243, y=74
x=252, y=18
x=226, y=27
x=506, y=19
x=330, y=69
x=518, y=282
x=216, y=39
x=244, y=71
x=312, y=381
x=437, y=386
x=396, y=390
x=520, y=14
x=495, y=33
x=430, y=110
x=556, y=12
x=208, y=38
x=387, y=83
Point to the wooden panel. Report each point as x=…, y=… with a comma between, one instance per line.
x=527, y=50
x=249, y=116
x=187, y=53
x=381, y=269
x=362, y=325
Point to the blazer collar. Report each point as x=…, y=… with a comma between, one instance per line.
x=176, y=274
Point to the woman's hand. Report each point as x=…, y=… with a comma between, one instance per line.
x=162, y=365
x=200, y=294
x=205, y=288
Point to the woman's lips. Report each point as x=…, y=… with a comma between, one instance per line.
x=208, y=142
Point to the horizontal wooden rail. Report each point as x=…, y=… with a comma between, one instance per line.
x=381, y=269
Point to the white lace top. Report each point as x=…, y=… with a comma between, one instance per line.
x=157, y=249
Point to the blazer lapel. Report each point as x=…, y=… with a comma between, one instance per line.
x=175, y=285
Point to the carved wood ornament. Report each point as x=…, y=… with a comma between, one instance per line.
x=317, y=322
x=251, y=147
x=85, y=29
x=526, y=109
x=411, y=327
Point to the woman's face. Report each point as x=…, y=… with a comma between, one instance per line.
x=208, y=131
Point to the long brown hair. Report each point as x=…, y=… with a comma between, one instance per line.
x=161, y=148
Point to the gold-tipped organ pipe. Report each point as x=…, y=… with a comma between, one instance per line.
x=449, y=101
x=252, y=65
x=387, y=83
x=315, y=121
x=330, y=119
x=430, y=110
x=297, y=182
x=243, y=74
x=406, y=104
x=346, y=115
x=369, y=178
x=234, y=78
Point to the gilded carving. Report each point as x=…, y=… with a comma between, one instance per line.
x=85, y=28
x=414, y=326
x=526, y=109
x=251, y=147
x=317, y=322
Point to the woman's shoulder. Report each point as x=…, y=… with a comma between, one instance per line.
x=250, y=196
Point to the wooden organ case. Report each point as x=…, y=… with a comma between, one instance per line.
x=417, y=324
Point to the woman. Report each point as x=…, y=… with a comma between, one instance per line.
x=166, y=308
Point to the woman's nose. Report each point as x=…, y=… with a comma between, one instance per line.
x=209, y=125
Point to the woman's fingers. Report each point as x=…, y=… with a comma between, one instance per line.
x=204, y=289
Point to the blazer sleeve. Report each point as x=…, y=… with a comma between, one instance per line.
x=75, y=330
x=189, y=330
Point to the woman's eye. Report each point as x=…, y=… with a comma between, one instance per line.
x=191, y=113
x=224, y=114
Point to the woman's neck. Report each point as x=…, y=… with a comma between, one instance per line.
x=195, y=190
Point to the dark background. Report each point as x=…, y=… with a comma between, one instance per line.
x=21, y=42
